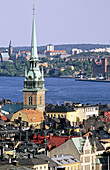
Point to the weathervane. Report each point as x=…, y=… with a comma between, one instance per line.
x=33, y=9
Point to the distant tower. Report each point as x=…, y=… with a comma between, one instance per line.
x=34, y=89
x=50, y=47
x=10, y=51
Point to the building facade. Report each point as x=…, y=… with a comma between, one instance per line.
x=101, y=67
x=34, y=90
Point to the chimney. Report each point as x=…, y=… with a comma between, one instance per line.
x=15, y=163
x=26, y=135
x=28, y=155
x=2, y=153
x=44, y=125
x=50, y=137
x=9, y=160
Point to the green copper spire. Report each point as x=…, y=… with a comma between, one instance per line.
x=34, y=54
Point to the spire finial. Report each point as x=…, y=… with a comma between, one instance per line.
x=33, y=9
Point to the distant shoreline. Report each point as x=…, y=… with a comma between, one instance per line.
x=44, y=76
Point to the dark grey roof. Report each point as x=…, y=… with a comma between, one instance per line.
x=2, y=122
x=28, y=146
x=58, y=109
x=9, y=116
x=87, y=105
x=95, y=122
x=12, y=108
x=12, y=167
x=31, y=161
x=51, y=163
x=98, y=144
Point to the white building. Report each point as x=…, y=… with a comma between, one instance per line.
x=50, y=47
x=97, y=50
x=76, y=51
x=86, y=111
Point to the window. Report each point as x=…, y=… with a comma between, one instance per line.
x=87, y=159
x=34, y=118
x=40, y=99
x=58, y=116
x=32, y=64
x=30, y=100
x=20, y=118
x=44, y=167
x=87, y=151
x=81, y=159
x=87, y=167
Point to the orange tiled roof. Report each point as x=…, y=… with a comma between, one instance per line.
x=33, y=115
x=57, y=51
x=87, y=134
x=4, y=118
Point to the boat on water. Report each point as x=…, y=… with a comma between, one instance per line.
x=96, y=79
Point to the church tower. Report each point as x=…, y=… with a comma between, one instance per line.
x=34, y=89
x=10, y=50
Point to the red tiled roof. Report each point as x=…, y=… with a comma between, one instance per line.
x=55, y=141
x=57, y=51
x=4, y=118
x=107, y=114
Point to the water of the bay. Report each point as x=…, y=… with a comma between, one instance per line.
x=59, y=90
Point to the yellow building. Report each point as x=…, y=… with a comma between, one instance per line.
x=76, y=114
x=62, y=112
x=62, y=69
x=41, y=166
x=28, y=117
x=67, y=161
x=72, y=67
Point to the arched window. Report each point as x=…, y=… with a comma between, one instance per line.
x=40, y=99
x=30, y=100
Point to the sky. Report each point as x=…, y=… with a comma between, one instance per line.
x=57, y=22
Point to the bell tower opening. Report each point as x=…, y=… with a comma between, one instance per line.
x=30, y=100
